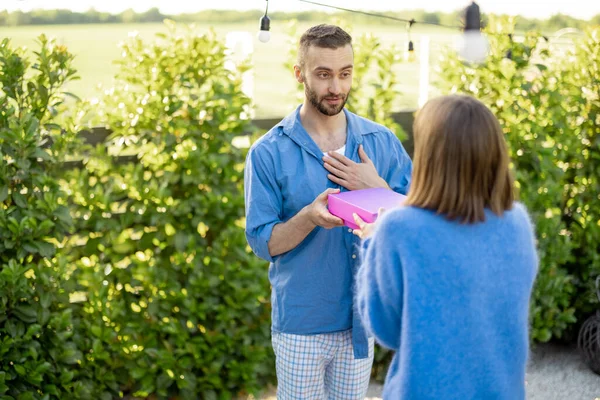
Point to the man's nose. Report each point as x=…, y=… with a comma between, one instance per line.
x=334, y=87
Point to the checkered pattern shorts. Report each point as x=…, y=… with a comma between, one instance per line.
x=320, y=367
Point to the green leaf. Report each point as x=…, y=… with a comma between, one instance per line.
x=26, y=313
x=42, y=154
x=19, y=199
x=63, y=214
x=69, y=94
x=96, y=331
x=106, y=396
x=52, y=127
x=45, y=299
x=544, y=335
x=70, y=356
x=20, y=369
x=26, y=396
x=169, y=229
x=46, y=249
x=66, y=377
x=3, y=193
x=43, y=92
x=30, y=247
x=51, y=389
x=138, y=373
x=181, y=239
x=46, y=225
x=34, y=125
x=163, y=381
x=210, y=395
x=43, y=316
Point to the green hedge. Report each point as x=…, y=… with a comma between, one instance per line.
x=39, y=356
x=175, y=302
x=129, y=279
x=546, y=97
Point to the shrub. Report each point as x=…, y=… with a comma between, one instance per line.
x=176, y=304
x=39, y=358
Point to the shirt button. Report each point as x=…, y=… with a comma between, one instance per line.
x=353, y=255
x=350, y=230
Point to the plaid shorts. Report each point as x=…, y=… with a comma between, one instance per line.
x=320, y=367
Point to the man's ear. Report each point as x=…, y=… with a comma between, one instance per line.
x=298, y=74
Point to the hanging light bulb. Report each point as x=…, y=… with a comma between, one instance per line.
x=509, y=52
x=265, y=25
x=473, y=45
x=410, y=52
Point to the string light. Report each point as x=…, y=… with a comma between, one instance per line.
x=473, y=45
x=379, y=15
x=509, y=52
x=410, y=53
x=265, y=25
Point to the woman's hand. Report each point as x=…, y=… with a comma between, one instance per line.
x=365, y=229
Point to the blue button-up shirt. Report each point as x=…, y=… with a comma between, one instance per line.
x=312, y=284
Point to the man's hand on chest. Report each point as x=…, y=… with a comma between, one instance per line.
x=352, y=175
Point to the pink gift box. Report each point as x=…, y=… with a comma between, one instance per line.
x=365, y=202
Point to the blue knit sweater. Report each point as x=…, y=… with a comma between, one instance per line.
x=452, y=301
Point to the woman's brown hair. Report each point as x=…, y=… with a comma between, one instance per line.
x=460, y=163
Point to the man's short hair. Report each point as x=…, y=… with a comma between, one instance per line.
x=325, y=36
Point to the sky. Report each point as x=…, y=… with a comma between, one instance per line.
x=583, y=9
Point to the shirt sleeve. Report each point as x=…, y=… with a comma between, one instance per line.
x=379, y=288
x=400, y=171
x=263, y=201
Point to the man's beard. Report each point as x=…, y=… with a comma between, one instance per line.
x=321, y=104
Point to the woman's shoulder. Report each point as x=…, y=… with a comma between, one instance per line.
x=519, y=216
x=519, y=209
x=416, y=217
x=409, y=217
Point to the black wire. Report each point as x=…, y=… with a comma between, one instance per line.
x=409, y=21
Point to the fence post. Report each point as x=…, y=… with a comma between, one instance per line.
x=241, y=47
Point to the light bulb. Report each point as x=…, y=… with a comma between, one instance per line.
x=473, y=46
x=410, y=53
x=264, y=36
x=265, y=25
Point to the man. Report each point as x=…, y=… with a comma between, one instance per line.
x=321, y=348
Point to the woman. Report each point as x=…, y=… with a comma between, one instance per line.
x=445, y=281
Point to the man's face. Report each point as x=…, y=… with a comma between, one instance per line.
x=327, y=78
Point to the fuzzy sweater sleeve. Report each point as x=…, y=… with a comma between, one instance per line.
x=379, y=286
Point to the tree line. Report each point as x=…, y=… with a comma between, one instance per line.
x=63, y=17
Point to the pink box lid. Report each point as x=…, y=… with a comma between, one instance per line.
x=365, y=202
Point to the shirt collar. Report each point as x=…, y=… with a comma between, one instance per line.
x=356, y=129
